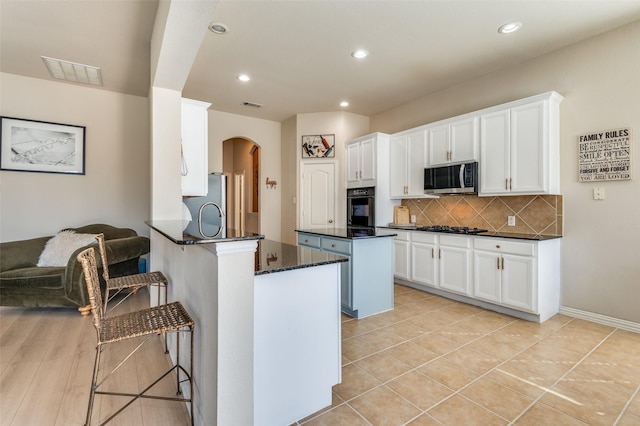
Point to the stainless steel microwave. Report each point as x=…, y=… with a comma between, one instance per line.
x=455, y=179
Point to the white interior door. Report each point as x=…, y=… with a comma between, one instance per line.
x=318, y=196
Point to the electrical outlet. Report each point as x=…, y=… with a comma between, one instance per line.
x=413, y=218
x=598, y=194
x=511, y=221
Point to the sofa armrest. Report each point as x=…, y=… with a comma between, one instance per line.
x=21, y=254
x=118, y=251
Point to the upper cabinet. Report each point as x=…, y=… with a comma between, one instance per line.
x=407, y=158
x=519, y=147
x=194, y=149
x=453, y=141
x=361, y=162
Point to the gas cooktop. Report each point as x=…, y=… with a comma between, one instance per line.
x=452, y=229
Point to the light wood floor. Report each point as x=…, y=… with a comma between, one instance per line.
x=46, y=362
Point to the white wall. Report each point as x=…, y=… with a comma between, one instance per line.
x=600, y=80
x=115, y=189
x=266, y=134
x=345, y=126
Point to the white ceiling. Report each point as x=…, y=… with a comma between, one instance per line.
x=298, y=52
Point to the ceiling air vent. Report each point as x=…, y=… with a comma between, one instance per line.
x=251, y=104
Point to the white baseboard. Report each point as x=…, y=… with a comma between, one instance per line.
x=601, y=319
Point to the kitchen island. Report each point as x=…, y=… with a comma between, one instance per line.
x=267, y=335
x=367, y=279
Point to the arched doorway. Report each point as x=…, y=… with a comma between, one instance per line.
x=241, y=163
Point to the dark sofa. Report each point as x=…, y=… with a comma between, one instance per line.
x=23, y=283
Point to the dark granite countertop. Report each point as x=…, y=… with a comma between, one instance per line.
x=350, y=233
x=496, y=234
x=187, y=232
x=273, y=256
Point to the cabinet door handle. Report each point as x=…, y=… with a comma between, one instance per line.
x=432, y=254
x=439, y=254
x=506, y=184
x=498, y=262
x=510, y=184
x=503, y=263
x=330, y=220
x=333, y=245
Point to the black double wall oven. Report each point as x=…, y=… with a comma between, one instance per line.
x=361, y=209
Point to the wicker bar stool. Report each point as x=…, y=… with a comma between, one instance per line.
x=162, y=319
x=128, y=282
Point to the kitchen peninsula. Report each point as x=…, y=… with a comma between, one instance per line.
x=367, y=279
x=267, y=337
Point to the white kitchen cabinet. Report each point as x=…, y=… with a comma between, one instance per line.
x=453, y=141
x=195, y=147
x=361, y=162
x=514, y=276
x=441, y=261
x=401, y=260
x=455, y=261
x=505, y=273
x=407, y=162
x=368, y=165
x=519, y=147
x=401, y=251
x=424, y=259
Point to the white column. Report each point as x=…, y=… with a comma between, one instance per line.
x=235, y=332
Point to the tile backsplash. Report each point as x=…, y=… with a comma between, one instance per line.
x=535, y=214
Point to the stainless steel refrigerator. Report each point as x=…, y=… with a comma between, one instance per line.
x=209, y=213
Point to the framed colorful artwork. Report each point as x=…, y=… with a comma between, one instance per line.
x=318, y=146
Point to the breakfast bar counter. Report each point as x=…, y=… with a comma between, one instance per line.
x=267, y=336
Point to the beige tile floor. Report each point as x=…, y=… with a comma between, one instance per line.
x=434, y=361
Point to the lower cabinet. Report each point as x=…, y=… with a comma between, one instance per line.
x=455, y=263
x=401, y=252
x=505, y=273
x=367, y=278
x=424, y=258
x=441, y=261
x=520, y=275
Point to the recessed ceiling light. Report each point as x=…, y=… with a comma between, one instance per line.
x=344, y=104
x=510, y=27
x=244, y=77
x=72, y=71
x=360, y=53
x=218, y=28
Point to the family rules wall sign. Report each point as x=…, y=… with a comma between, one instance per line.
x=604, y=155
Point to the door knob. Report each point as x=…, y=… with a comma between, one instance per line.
x=330, y=220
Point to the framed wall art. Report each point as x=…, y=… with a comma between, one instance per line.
x=40, y=146
x=604, y=155
x=318, y=146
